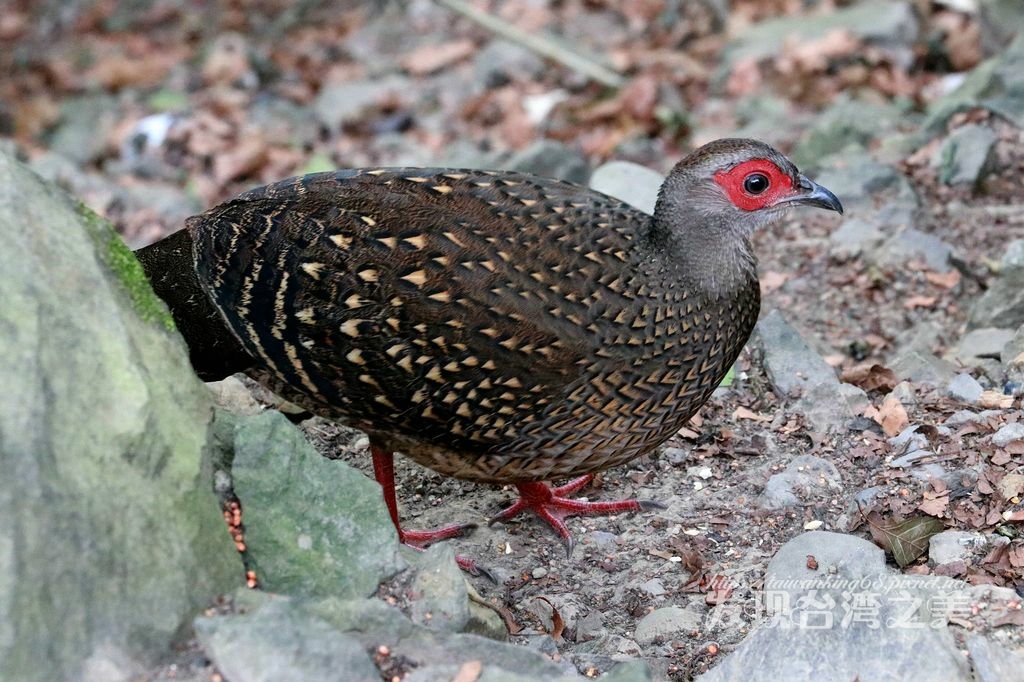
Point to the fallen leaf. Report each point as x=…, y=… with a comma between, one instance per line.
x=871, y=377
x=743, y=413
x=946, y=280
x=934, y=504
x=812, y=562
x=919, y=302
x=431, y=58
x=557, y=624
x=469, y=672
x=904, y=540
x=891, y=416
x=995, y=400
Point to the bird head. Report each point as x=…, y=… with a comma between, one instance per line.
x=736, y=185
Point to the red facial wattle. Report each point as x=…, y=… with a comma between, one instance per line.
x=732, y=182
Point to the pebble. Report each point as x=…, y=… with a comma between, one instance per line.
x=666, y=623
x=965, y=388
x=539, y=572
x=1008, y=434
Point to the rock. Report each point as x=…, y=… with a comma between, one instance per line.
x=846, y=123
x=954, y=545
x=502, y=61
x=550, y=159
x=859, y=180
x=232, y=395
x=1014, y=348
x=961, y=417
x=442, y=600
x=996, y=84
x=844, y=619
x=86, y=124
x=1001, y=21
x=279, y=641
x=793, y=367
x=373, y=622
x=910, y=244
x=313, y=526
x=994, y=663
x=344, y=103
x=965, y=157
x=653, y=587
x=877, y=22
x=921, y=366
x=855, y=236
x=805, y=475
x=1003, y=304
x=591, y=626
x=965, y=388
x=630, y=182
x=668, y=622
x=111, y=538
x=1008, y=434
x=987, y=342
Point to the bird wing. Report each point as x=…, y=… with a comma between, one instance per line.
x=446, y=305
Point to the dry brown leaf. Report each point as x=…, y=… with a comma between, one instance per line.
x=934, y=504
x=995, y=400
x=743, y=413
x=946, y=280
x=772, y=280
x=904, y=540
x=871, y=377
x=431, y=58
x=244, y=158
x=557, y=624
x=919, y=302
x=469, y=672
x=890, y=415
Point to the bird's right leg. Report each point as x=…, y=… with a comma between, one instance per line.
x=384, y=472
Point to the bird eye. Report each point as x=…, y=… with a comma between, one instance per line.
x=755, y=183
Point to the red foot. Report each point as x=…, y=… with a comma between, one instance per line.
x=384, y=472
x=551, y=505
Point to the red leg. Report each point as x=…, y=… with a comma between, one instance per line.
x=384, y=472
x=551, y=505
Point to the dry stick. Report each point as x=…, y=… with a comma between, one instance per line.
x=542, y=45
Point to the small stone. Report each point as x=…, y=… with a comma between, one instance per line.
x=922, y=367
x=911, y=244
x=666, y=623
x=953, y=545
x=444, y=601
x=550, y=159
x=338, y=105
x=1008, y=434
x=965, y=157
x=854, y=237
x=965, y=388
x=987, y=342
x=804, y=476
x=632, y=183
x=539, y=572
x=1002, y=305
x=653, y=587
x=591, y=626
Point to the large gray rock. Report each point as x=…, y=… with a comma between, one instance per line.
x=879, y=22
x=844, y=124
x=1003, y=304
x=842, y=617
x=313, y=526
x=85, y=125
x=344, y=103
x=996, y=84
x=794, y=368
x=111, y=538
x=634, y=184
x=550, y=159
x=280, y=642
x=994, y=663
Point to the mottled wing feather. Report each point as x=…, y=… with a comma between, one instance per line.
x=451, y=306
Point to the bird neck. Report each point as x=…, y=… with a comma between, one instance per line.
x=709, y=256
x=213, y=349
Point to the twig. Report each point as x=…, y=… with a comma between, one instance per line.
x=542, y=45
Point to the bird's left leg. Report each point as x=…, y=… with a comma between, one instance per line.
x=384, y=472
x=552, y=506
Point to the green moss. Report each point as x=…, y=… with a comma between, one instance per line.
x=120, y=259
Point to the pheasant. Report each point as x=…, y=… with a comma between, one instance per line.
x=494, y=326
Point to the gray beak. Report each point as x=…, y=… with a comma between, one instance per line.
x=813, y=194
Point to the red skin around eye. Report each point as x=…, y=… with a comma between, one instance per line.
x=780, y=184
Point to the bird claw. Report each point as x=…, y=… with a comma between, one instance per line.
x=551, y=505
